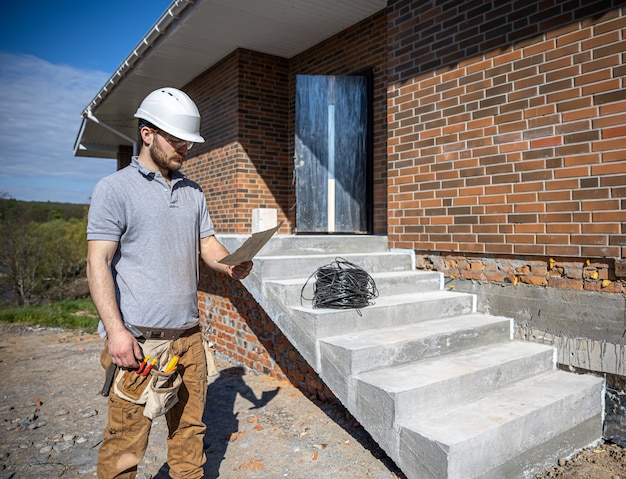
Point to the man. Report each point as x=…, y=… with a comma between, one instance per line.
x=147, y=225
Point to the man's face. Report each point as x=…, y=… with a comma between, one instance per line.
x=165, y=156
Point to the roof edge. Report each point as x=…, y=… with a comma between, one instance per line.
x=160, y=29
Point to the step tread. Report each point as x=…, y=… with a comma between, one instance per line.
x=379, y=275
x=309, y=256
x=505, y=405
x=378, y=337
x=418, y=374
x=392, y=300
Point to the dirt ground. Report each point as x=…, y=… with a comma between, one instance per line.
x=52, y=417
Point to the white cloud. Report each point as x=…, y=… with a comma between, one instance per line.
x=40, y=107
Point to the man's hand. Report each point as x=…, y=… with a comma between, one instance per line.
x=124, y=349
x=241, y=271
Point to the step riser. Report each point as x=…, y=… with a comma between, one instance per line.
x=533, y=461
x=280, y=245
x=339, y=245
x=328, y=322
x=293, y=293
x=284, y=267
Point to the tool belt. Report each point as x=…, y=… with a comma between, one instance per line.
x=168, y=334
x=151, y=385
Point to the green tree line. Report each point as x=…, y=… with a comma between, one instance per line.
x=44, y=249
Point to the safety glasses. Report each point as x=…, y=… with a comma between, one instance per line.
x=176, y=143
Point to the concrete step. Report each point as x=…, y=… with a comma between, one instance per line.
x=304, y=326
x=497, y=434
x=289, y=245
x=358, y=352
x=291, y=291
x=385, y=312
x=350, y=354
x=302, y=266
x=425, y=388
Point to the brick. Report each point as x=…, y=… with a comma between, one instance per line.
x=529, y=208
x=599, y=88
x=610, y=144
x=572, y=172
x=553, y=250
x=602, y=98
x=568, y=228
x=604, y=228
x=589, y=159
x=616, y=131
x=618, y=155
x=600, y=205
x=600, y=251
x=529, y=228
x=522, y=218
x=585, y=194
x=579, y=113
x=528, y=249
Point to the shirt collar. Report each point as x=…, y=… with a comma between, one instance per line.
x=175, y=176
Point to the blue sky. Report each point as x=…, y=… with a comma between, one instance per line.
x=54, y=58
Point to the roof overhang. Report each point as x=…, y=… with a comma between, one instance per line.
x=190, y=37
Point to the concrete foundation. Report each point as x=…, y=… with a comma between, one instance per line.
x=587, y=328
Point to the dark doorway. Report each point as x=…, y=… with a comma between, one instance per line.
x=333, y=154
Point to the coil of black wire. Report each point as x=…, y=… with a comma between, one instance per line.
x=341, y=285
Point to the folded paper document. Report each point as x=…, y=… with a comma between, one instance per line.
x=250, y=247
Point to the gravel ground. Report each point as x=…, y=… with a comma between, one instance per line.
x=52, y=417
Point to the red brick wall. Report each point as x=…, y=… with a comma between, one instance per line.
x=265, y=179
x=244, y=162
x=507, y=133
x=214, y=163
x=358, y=48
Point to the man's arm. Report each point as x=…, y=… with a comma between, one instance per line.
x=212, y=251
x=123, y=347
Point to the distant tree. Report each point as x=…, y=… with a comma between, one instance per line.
x=38, y=258
x=65, y=253
x=21, y=257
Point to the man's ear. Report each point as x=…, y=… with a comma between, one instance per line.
x=147, y=135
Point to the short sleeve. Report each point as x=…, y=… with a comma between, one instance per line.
x=106, y=218
x=205, y=222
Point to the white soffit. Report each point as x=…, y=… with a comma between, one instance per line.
x=191, y=36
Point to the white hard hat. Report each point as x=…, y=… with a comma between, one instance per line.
x=172, y=111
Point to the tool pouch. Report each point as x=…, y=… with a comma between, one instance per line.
x=162, y=393
x=157, y=390
x=209, y=351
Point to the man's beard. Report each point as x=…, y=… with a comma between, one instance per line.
x=161, y=160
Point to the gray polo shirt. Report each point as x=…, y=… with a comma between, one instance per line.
x=158, y=228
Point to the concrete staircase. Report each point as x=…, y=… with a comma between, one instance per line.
x=444, y=390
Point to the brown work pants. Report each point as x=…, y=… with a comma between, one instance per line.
x=126, y=435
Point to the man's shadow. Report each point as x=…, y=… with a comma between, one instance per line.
x=221, y=419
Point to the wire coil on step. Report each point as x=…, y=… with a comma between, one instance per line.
x=341, y=285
